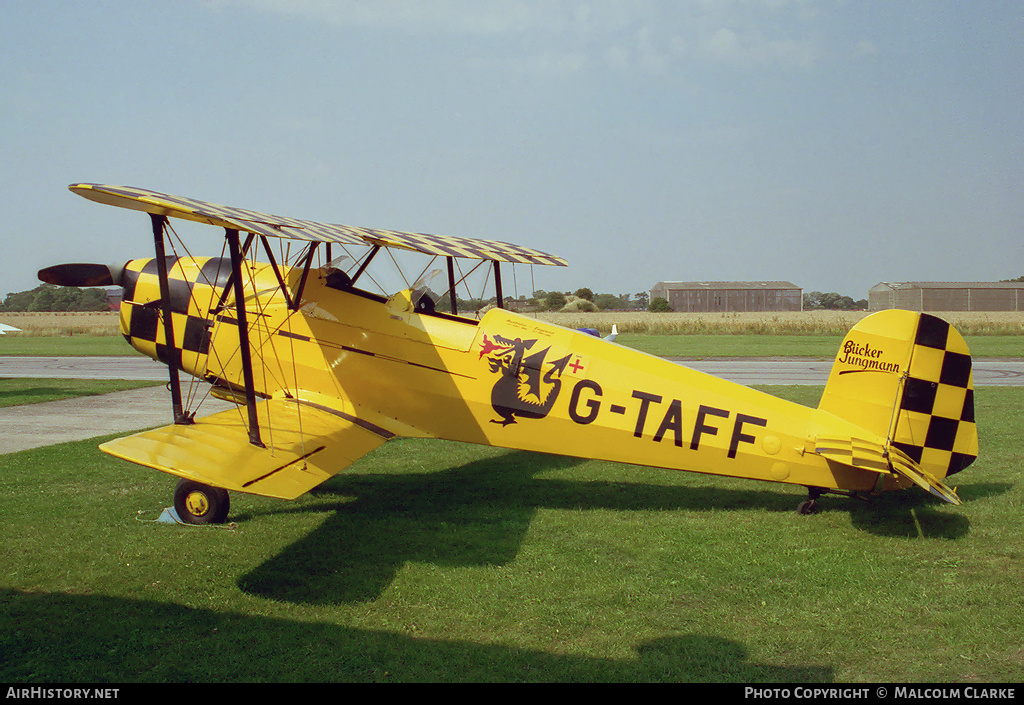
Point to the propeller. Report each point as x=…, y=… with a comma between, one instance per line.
x=82, y=274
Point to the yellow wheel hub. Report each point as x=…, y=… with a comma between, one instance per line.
x=197, y=503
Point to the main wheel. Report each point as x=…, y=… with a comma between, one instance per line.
x=197, y=503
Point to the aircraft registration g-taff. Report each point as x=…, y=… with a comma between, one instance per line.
x=323, y=371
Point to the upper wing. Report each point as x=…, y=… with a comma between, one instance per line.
x=280, y=226
x=306, y=445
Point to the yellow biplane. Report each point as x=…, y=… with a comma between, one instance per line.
x=323, y=371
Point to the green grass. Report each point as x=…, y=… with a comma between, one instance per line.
x=437, y=561
x=65, y=346
x=822, y=347
x=692, y=346
x=710, y=346
x=15, y=391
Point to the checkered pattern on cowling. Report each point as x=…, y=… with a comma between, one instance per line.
x=935, y=425
x=308, y=230
x=142, y=311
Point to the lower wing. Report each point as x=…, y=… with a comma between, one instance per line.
x=305, y=445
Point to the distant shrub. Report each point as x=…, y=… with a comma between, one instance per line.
x=579, y=306
x=659, y=305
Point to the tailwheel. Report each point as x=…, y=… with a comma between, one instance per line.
x=810, y=505
x=197, y=503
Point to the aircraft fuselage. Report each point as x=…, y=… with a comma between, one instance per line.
x=506, y=380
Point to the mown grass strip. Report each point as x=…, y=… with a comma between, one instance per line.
x=26, y=390
x=812, y=346
x=437, y=561
x=65, y=346
x=822, y=347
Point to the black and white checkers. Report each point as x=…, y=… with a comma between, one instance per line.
x=280, y=226
x=935, y=425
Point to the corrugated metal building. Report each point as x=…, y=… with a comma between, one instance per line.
x=882, y=296
x=714, y=297
x=947, y=296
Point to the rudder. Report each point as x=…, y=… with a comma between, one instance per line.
x=906, y=377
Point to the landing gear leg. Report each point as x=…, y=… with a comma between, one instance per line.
x=810, y=505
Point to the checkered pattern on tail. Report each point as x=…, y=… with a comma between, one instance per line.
x=935, y=422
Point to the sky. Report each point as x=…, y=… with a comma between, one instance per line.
x=831, y=143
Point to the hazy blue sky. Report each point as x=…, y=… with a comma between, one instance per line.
x=833, y=143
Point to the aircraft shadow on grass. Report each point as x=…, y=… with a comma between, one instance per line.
x=478, y=515
x=916, y=515
x=57, y=637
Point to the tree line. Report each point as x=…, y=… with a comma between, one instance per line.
x=815, y=300
x=584, y=299
x=68, y=298
x=56, y=298
x=641, y=301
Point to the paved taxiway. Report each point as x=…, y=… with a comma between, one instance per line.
x=745, y=371
x=35, y=425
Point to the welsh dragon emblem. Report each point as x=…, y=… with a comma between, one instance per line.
x=527, y=386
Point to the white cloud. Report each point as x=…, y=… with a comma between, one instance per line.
x=421, y=17
x=649, y=36
x=866, y=47
x=550, y=63
x=750, y=47
x=647, y=50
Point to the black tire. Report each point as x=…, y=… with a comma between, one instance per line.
x=808, y=506
x=197, y=503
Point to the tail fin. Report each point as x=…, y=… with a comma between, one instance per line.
x=906, y=377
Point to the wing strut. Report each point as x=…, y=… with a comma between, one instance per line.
x=229, y=285
x=174, y=354
x=497, y=285
x=243, y=338
x=366, y=262
x=451, y=286
x=277, y=272
x=305, y=273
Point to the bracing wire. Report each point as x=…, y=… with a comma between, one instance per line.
x=397, y=266
x=424, y=271
x=174, y=241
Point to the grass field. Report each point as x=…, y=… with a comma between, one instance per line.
x=822, y=347
x=25, y=390
x=816, y=334
x=435, y=561
x=798, y=323
x=692, y=346
x=64, y=324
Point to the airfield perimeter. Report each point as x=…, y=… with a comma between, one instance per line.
x=34, y=426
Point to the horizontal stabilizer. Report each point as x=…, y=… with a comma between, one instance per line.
x=869, y=455
x=305, y=445
x=860, y=453
x=904, y=465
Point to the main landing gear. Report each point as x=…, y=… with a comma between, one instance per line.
x=197, y=503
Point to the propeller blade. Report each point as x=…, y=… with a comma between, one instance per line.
x=82, y=274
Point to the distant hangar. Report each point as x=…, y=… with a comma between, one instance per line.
x=947, y=296
x=715, y=297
